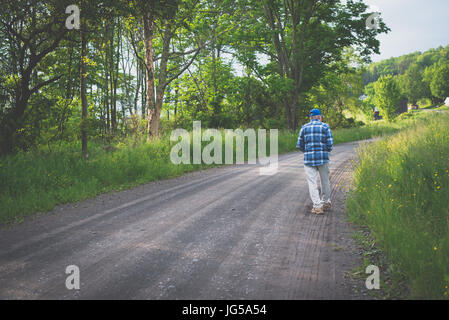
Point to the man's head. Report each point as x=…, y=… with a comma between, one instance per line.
x=315, y=114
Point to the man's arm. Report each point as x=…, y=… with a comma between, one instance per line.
x=301, y=144
x=329, y=140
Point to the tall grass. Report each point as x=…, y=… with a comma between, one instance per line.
x=401, y=191
x=38, y=180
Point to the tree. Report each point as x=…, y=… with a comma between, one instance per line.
x=83, y=75
x=368, y=104
x=412, y=84
x=33, y=30
x=92, y=13
x=440, y=82
x=337, y=92
x=304, y=38
x=169, y=16
x=387, y=96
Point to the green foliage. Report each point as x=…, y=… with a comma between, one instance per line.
x=387, y=96
x=399, y=65
x=414, y=73
x=440, y=81
x=400, y=192
x=411, y=84
x=336, y=92
x=392, y=66
x=209, y=34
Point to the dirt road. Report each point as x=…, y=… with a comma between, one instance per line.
x=224, y=233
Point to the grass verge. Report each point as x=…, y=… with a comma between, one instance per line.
x=400, y=192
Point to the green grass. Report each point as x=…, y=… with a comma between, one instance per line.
x=38, y=180
x=443, y=108
x=401, y=187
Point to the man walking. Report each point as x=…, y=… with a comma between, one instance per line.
x=316, y=141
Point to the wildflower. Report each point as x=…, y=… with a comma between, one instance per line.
x=435, y=248
x=389, y=186
x=438, y=187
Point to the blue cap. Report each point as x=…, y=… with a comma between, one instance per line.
x=315, y=112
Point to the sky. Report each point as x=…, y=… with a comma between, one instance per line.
x=416, y=25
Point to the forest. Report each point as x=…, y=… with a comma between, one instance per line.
x=419, y=78
x=137, y=68
x=142, y=68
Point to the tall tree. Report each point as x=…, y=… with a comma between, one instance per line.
x=304, y=38
x=170, y=16
x=387, y=96
x=33, y=29
x=440, y=81
x=83, y=76
x=412, y=84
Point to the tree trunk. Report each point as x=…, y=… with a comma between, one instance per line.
x=136, y=97
x=148, y=28
x=106, y=80
x=176, y=101
x=112, y=80
x=215, y=102
x=154, y=102
x=115, y=71
x=13, y=120
x=83, y=92
x=162, y=81
x=143, y=94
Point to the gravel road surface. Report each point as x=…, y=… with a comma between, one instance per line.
x=222, y=233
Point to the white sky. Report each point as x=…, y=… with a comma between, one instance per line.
x=416, y=25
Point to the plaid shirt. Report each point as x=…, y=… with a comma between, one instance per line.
x=316, y=141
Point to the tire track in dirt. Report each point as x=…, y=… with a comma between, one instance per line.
x=225, y=233
x=305, y=270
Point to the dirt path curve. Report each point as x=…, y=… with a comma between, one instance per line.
x=224, y=233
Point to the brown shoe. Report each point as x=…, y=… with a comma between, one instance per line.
x=318, y=210
x=327, y=206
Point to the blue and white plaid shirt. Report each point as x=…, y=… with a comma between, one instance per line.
x=316, y=141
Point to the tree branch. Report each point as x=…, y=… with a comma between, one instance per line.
x=42, y=84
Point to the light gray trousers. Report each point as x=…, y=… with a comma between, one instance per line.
x=312, y=178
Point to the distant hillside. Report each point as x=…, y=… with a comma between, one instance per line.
x=399, y=65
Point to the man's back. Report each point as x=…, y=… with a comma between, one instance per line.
x=316, y=141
